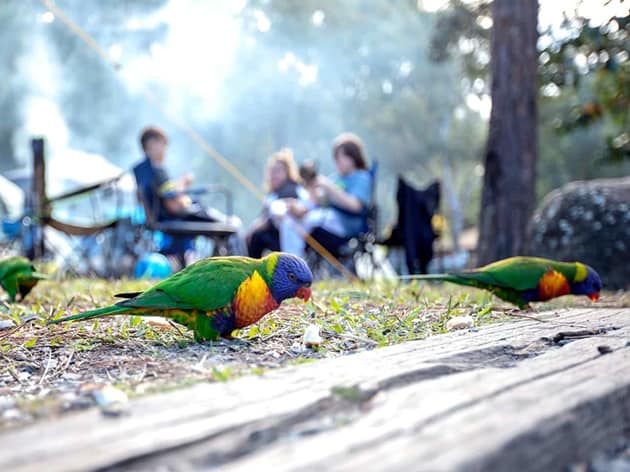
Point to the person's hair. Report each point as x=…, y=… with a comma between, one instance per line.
x=308, y=171
x=352, y=146
x=285, y=157
x=152, y=132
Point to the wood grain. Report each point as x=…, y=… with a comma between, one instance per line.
x=505, y=396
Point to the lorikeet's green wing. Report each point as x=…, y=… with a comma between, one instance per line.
x=516, y=273
x=208, y=284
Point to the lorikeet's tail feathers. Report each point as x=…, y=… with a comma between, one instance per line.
x=426, y=277
x=107, y=311
x=460, y=279
x=454, y=278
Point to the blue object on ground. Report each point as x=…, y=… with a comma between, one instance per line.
x=11, y=228
x=153, y=266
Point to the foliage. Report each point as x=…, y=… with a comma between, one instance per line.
x=372, y=72
x=464, y=31
x=54, y=75
x=14, y=38
x=596, y=59
x=373, y=78
x=373, y=75
x=583, y=81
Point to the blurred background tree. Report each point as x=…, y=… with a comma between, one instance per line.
x=507, y=200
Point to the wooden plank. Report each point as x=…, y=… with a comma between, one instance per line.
x=548, y=411
x=416, y=397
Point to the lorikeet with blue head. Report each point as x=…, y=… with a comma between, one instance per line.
x=521, y=280
x=217, y=295
x=18, y=276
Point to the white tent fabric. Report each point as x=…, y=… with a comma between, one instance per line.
x=70, y=169
x=13, y=198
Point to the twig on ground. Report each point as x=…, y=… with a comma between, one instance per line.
x=351, y=337
x=46, y=367
x=174, y=325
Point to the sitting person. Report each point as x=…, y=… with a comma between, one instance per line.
x=282, y=183
x=341, y=201
x=167, y=199
x=170, y=195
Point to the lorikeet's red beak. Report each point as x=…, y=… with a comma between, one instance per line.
x=304, y=293
x=594, y=296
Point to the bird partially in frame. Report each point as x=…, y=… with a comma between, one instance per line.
x=18, y=276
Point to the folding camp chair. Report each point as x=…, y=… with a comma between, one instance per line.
x=183, y=232
x=81, y=242
x=414, y=230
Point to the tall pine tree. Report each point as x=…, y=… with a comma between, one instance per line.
x=510, y=161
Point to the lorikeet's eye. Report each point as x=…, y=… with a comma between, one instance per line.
x=292, y=277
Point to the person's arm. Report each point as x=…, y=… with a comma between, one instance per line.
x=184, y=182
x=338, y=197
x=296, y=208
x=173, y=200
x=176, y=205
x=304, y=201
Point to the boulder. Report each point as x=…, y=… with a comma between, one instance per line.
x=587, y=221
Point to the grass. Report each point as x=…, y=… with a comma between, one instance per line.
x=49, y=370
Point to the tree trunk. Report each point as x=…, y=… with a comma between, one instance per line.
x=510, y=163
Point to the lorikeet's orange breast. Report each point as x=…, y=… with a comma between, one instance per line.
x=553, y=284
x=253, y=300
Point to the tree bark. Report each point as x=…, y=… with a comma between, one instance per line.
x=510, y=162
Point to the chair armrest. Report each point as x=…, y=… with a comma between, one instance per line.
x=216, y=188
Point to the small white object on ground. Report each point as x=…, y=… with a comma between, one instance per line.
x=6, y=324
x=311, y=336
x=110, y=399
x=50, y=363
x=459, y=322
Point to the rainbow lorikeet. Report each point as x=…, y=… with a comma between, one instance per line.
x=216, y=295
x=521, y=280
x=18, y=276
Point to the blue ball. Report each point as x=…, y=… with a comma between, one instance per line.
x=10, y=228
x=153, y=266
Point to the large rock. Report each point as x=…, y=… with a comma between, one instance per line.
x=590, y=222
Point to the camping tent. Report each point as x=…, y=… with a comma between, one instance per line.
x=71, y=169
x=11, y=199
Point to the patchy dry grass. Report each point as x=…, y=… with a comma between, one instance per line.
x=48, y=370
